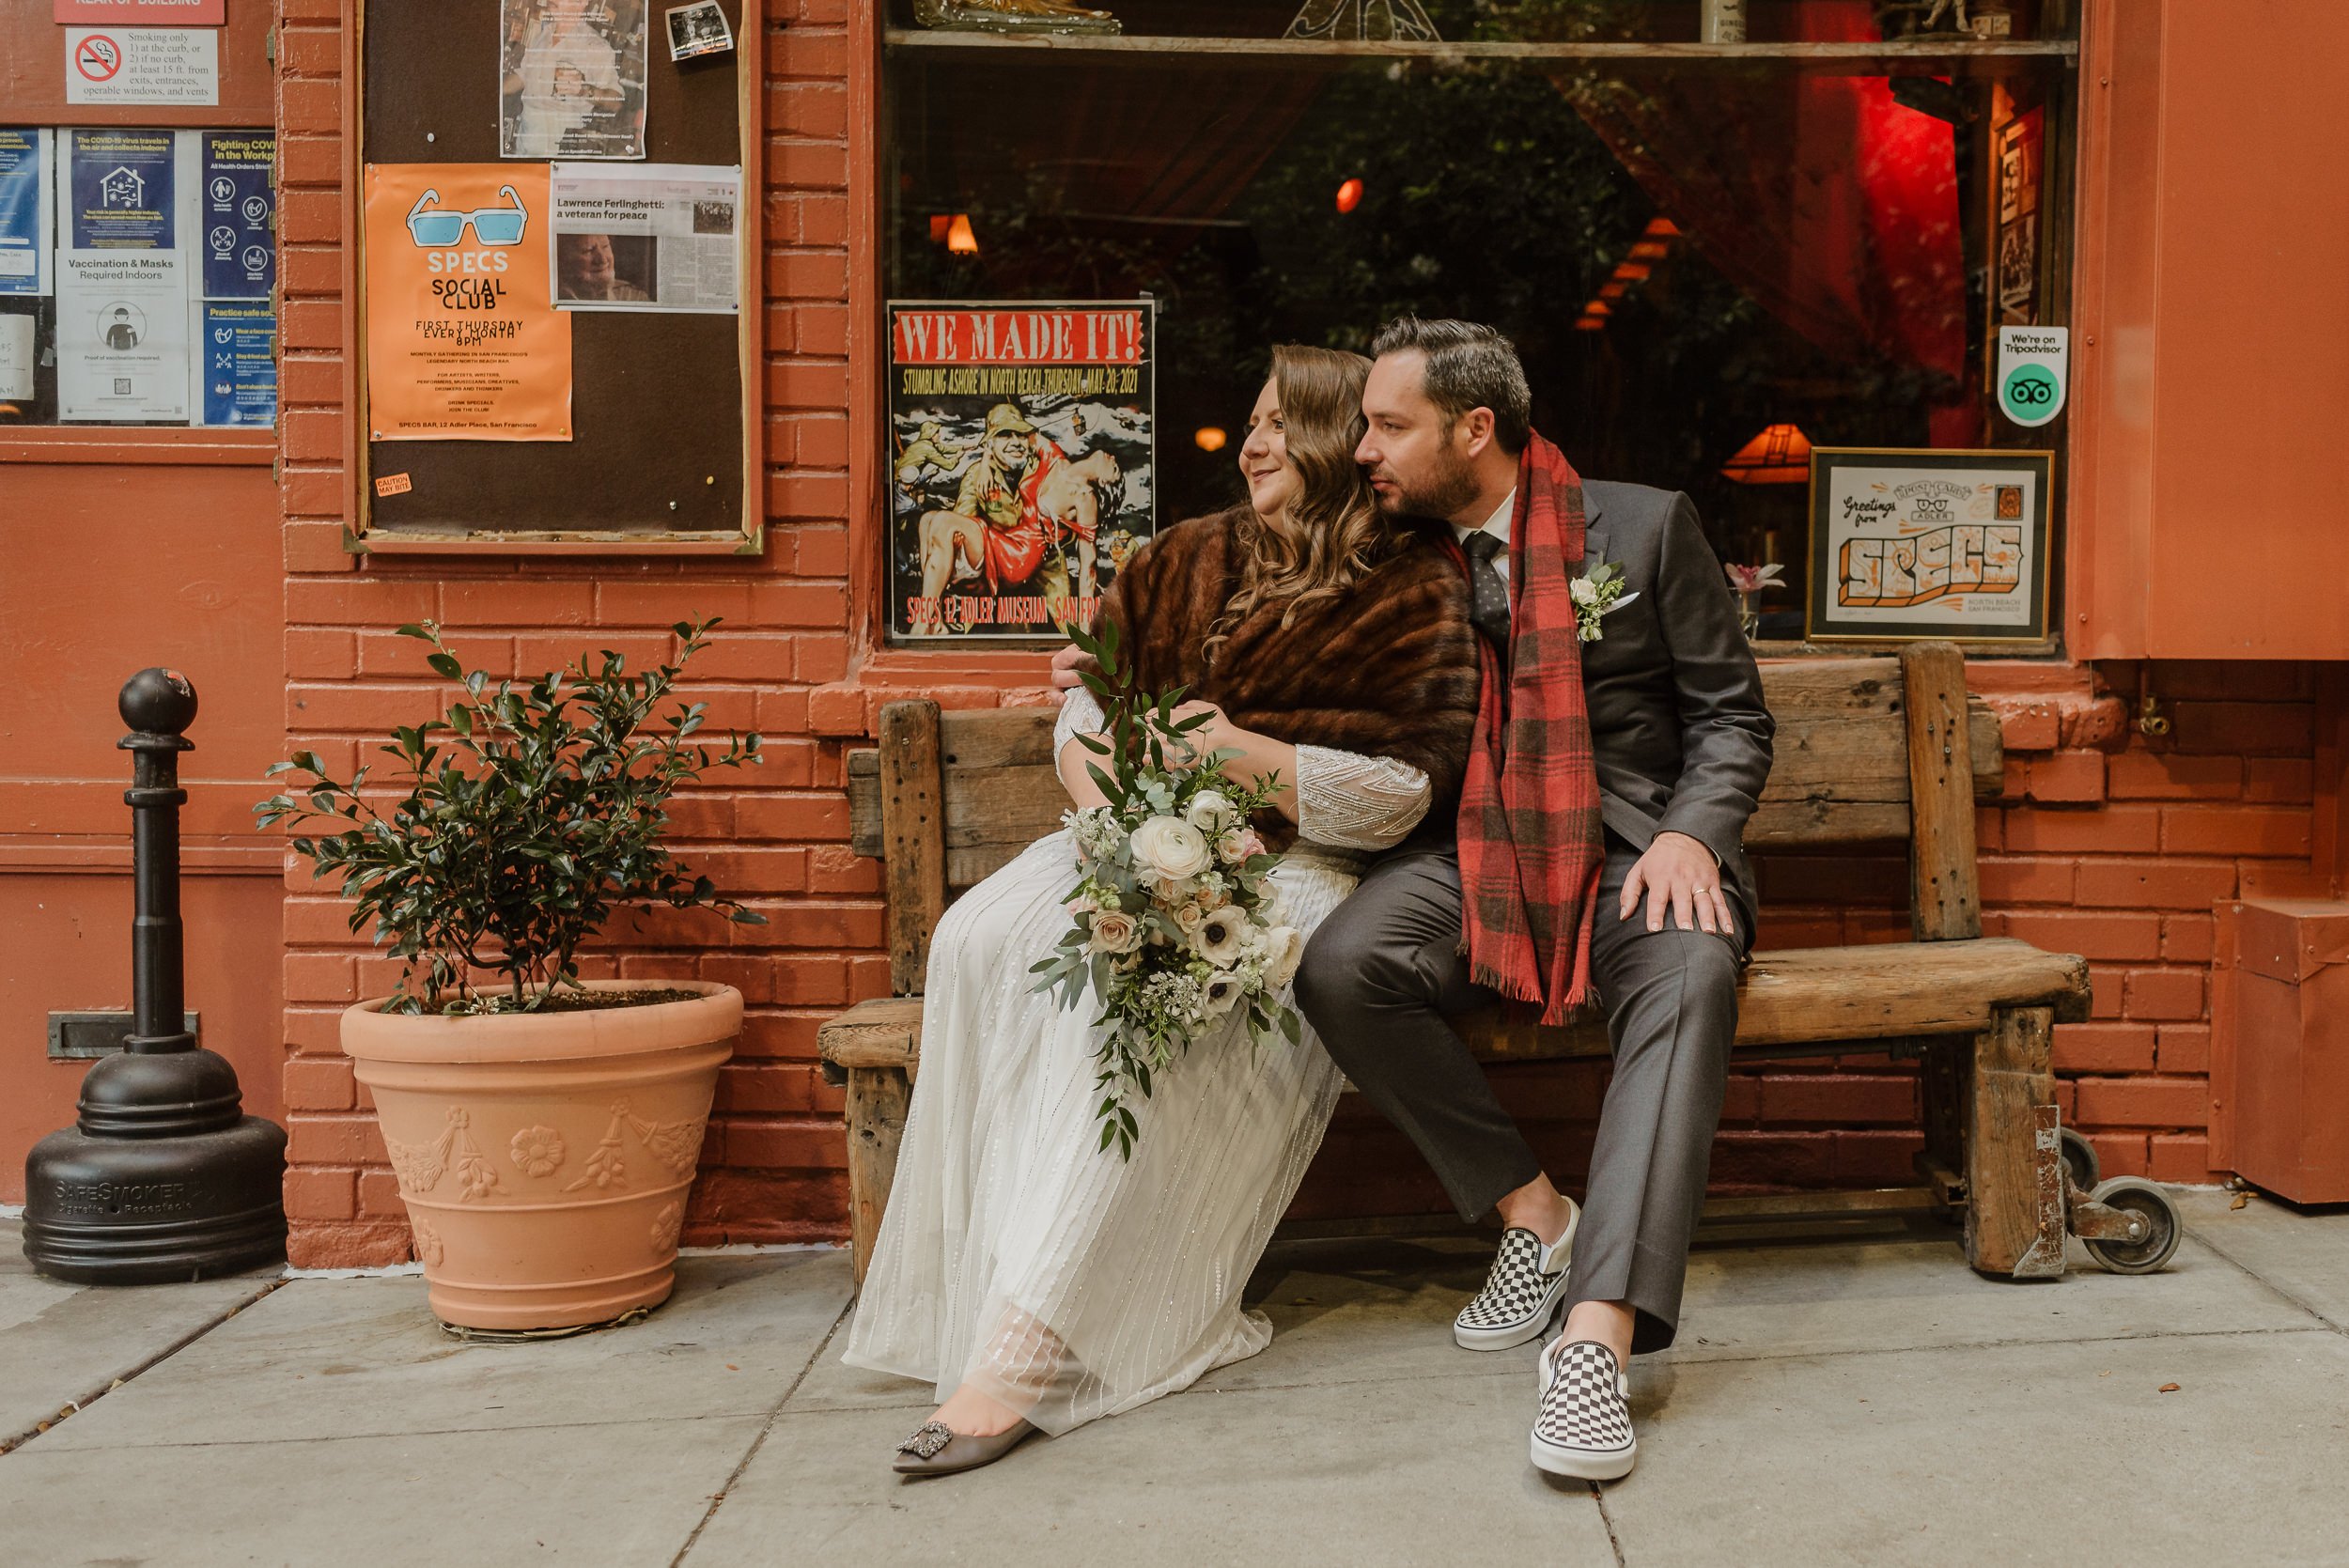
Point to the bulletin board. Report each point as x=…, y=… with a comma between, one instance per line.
x=664, y=455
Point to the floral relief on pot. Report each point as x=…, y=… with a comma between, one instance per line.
x=429, y=1251
x=419, y=1167
x=537, y=1151
x=665, y=1226
x=675, y=1144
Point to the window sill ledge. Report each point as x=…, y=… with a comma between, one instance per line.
x=162, y=445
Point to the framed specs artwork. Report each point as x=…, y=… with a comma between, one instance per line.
x=1910, y=544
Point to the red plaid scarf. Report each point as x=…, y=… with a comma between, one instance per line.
x=1530, y=848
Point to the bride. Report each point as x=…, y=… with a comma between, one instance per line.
x=1038, y=1281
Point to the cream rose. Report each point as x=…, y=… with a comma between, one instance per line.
x=1114, y=931
x=1188, y=917
x=1170, y=847
x=1283, y=950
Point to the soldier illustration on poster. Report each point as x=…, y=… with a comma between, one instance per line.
x=1022, y=463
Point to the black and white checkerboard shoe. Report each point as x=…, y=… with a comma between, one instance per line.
x=1522, y=1294
x=1583, y=1427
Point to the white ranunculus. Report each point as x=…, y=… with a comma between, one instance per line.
x=1284, y=948
x=1114, y=931
x=1210, y=811
x=1170, y=847
x=1222, y=936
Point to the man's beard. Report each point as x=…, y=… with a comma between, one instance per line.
x=1452, y=486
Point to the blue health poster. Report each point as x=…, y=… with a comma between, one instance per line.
x=122, y=191
x=240, y=239
x=240, y=364
x=23, y=213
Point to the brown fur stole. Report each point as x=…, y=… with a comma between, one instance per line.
x=1388, y=670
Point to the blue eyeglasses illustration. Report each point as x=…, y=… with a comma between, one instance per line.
x=492, y=225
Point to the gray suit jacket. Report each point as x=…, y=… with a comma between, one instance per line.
x=1677, y=722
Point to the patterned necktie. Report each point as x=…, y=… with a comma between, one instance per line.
x=1488, y=594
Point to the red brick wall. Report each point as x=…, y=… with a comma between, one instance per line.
x=774, y=835
x=2104, y=843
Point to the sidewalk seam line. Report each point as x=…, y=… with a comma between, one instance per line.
x=758, y=1442
x=11, y=1442
x=2246, y=1269
x=1598, y=1496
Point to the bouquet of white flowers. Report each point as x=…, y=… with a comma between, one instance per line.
x=1177, y=927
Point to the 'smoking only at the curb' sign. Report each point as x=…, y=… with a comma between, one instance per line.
x=142, y=65
x=2033, y=372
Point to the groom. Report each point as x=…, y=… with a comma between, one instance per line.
x=1598, y=844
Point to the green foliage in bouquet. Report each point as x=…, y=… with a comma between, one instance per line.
x=527, y=813
x=1176, y=926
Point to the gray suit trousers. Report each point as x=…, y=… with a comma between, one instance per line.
x=1383, y=973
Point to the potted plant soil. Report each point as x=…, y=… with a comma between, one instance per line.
x=544, y=1130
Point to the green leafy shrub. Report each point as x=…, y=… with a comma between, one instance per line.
x=530, y=813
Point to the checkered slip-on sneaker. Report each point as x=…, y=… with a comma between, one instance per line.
x=1522, y=1293
x=1583, y=1427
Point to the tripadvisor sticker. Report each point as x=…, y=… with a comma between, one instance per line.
x=2032, y=366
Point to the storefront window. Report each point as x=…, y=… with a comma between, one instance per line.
x=1711, y=261
x=137, y=272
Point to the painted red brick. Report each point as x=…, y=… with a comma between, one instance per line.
x=2288, y=780
x=2028, y=725
x=2184, y=1048
x=2180, y=1158
x=2119, y=1154
x=321, y=1192
x=2026, y=879
x=2094, y=935
x=2234, y=728
x=2067, y=776
x=2188, y=939
x=2168, y=776
x=320, y=1083
x=2144, y=1102
x=2134, y=829
x=2265, y=830
x=2154, y=884
x=2164, y=994
x=1838, y=1098
x=2102, y=1048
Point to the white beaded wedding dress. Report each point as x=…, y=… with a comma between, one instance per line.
x=1017, y=1256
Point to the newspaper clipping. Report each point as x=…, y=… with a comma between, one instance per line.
x=1022, y=461
x=650, y=236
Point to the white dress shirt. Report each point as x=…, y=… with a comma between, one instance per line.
x=1497, y=526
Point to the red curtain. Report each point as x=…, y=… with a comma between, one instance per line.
x=1831, y=205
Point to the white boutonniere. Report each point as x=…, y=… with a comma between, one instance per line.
x=1596, y=593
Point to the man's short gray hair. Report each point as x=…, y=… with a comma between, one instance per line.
x=1470, y=365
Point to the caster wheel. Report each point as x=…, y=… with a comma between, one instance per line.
x=2135, y=1195
x=2080, y=1160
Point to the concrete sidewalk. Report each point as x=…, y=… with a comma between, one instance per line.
x=1863, y=1400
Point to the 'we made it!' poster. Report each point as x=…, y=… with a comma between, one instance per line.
x=463, y=339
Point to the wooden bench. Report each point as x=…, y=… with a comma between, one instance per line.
x=1868, y=751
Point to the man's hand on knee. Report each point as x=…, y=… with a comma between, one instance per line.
x=1677, y=872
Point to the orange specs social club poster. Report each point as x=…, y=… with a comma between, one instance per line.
x=463, y=339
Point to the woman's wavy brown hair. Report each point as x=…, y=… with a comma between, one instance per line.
x=1332, y=533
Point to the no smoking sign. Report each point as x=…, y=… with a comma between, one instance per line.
x=98, y=57
x=142, y=65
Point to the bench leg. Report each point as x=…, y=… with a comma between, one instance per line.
x=876, y=1114
x=2014, y=1157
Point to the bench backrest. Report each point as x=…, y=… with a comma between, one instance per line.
x=1868, y=751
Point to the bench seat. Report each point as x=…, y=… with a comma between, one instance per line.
x=1840, y=999
x=1869, y=751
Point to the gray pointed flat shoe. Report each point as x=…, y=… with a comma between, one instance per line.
x=935, y=1449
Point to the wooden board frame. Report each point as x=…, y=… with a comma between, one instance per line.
x=1957, y=459
x=362, y=538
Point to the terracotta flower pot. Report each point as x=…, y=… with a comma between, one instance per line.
x=545, y=1157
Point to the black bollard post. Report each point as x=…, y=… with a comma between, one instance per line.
x=163, y=1176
